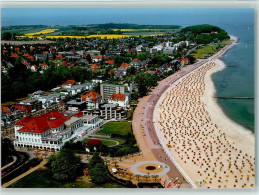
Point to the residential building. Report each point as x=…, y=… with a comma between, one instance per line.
x=49, y=100
x=76, y=105
x=136, y=63
x=32, y=105
x=110, y=111
x=93, y=100
x=108, y=89
x=68, y=84
x=120, y=99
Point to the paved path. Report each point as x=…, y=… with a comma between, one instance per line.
x=8, y=165
x=43, y=162
x=136, y=172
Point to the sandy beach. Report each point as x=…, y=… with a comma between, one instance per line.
x=200, y=139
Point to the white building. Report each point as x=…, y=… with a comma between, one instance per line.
x=92, y=121
x=118, y=98
x=49, y=131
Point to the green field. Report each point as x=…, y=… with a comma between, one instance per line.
x=43, y=179
x=120, y=128
x=226, y=42
x=206, y=50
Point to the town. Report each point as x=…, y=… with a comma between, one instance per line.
x=79, y=94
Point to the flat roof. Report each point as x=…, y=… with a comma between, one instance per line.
x=110, y=105
x=71, y=120
x=75, y=102
x=89, y=116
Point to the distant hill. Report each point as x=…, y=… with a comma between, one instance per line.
x=205, y=33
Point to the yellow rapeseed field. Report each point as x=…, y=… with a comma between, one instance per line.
x=46, y=31
x=108, y=36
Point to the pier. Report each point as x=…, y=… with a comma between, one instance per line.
x=224, y=97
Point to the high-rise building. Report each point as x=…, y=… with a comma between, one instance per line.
x=108, y=89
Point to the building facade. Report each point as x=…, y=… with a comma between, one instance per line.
x=108, y=89
x=49, y=131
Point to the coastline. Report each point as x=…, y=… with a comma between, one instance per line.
x=217, y=113
x=240, y=137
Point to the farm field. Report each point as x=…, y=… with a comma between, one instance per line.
x=103, y=36
x=46, y=31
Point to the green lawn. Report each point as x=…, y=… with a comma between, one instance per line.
x=120, y=128
x=134, y=102
x=43, y=179
x=226, y=42
x=209, y=49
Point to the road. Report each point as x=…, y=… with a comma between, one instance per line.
x=21, y=159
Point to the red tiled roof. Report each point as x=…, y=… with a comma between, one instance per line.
x=184, y=60
x=117, y=97
x=6, y=110
x=45, y=52
x=125, y=65
x=44, y=65
x=70, y=82
x=14, y=55
x=64, y=63
x=22, y=107
x=26, y=55
x=17, y=49
x=40, y=124
x=30, y=57
x=111, y=62
x=98, y=57
x=91, y=95
x=5, y=51
x=95, y=66
x=59, y=56
x=135, y=60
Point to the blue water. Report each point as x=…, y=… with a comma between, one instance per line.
x=232, y=81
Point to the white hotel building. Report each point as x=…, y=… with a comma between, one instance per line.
x=49, y=131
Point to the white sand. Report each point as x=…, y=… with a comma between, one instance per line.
x=206, y=144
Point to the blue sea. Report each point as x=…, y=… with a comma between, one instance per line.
x=232, y=81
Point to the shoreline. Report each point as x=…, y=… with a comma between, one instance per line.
x=220, y=119
x=216, y=111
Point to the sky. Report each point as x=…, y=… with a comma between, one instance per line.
x=84, y=16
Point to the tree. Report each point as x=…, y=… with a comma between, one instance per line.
x=97, y=170
x=64, y=165
x=6, y=36
x=7, y=150
x=97, y=88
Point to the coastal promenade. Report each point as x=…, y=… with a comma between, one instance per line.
x=152, y=137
